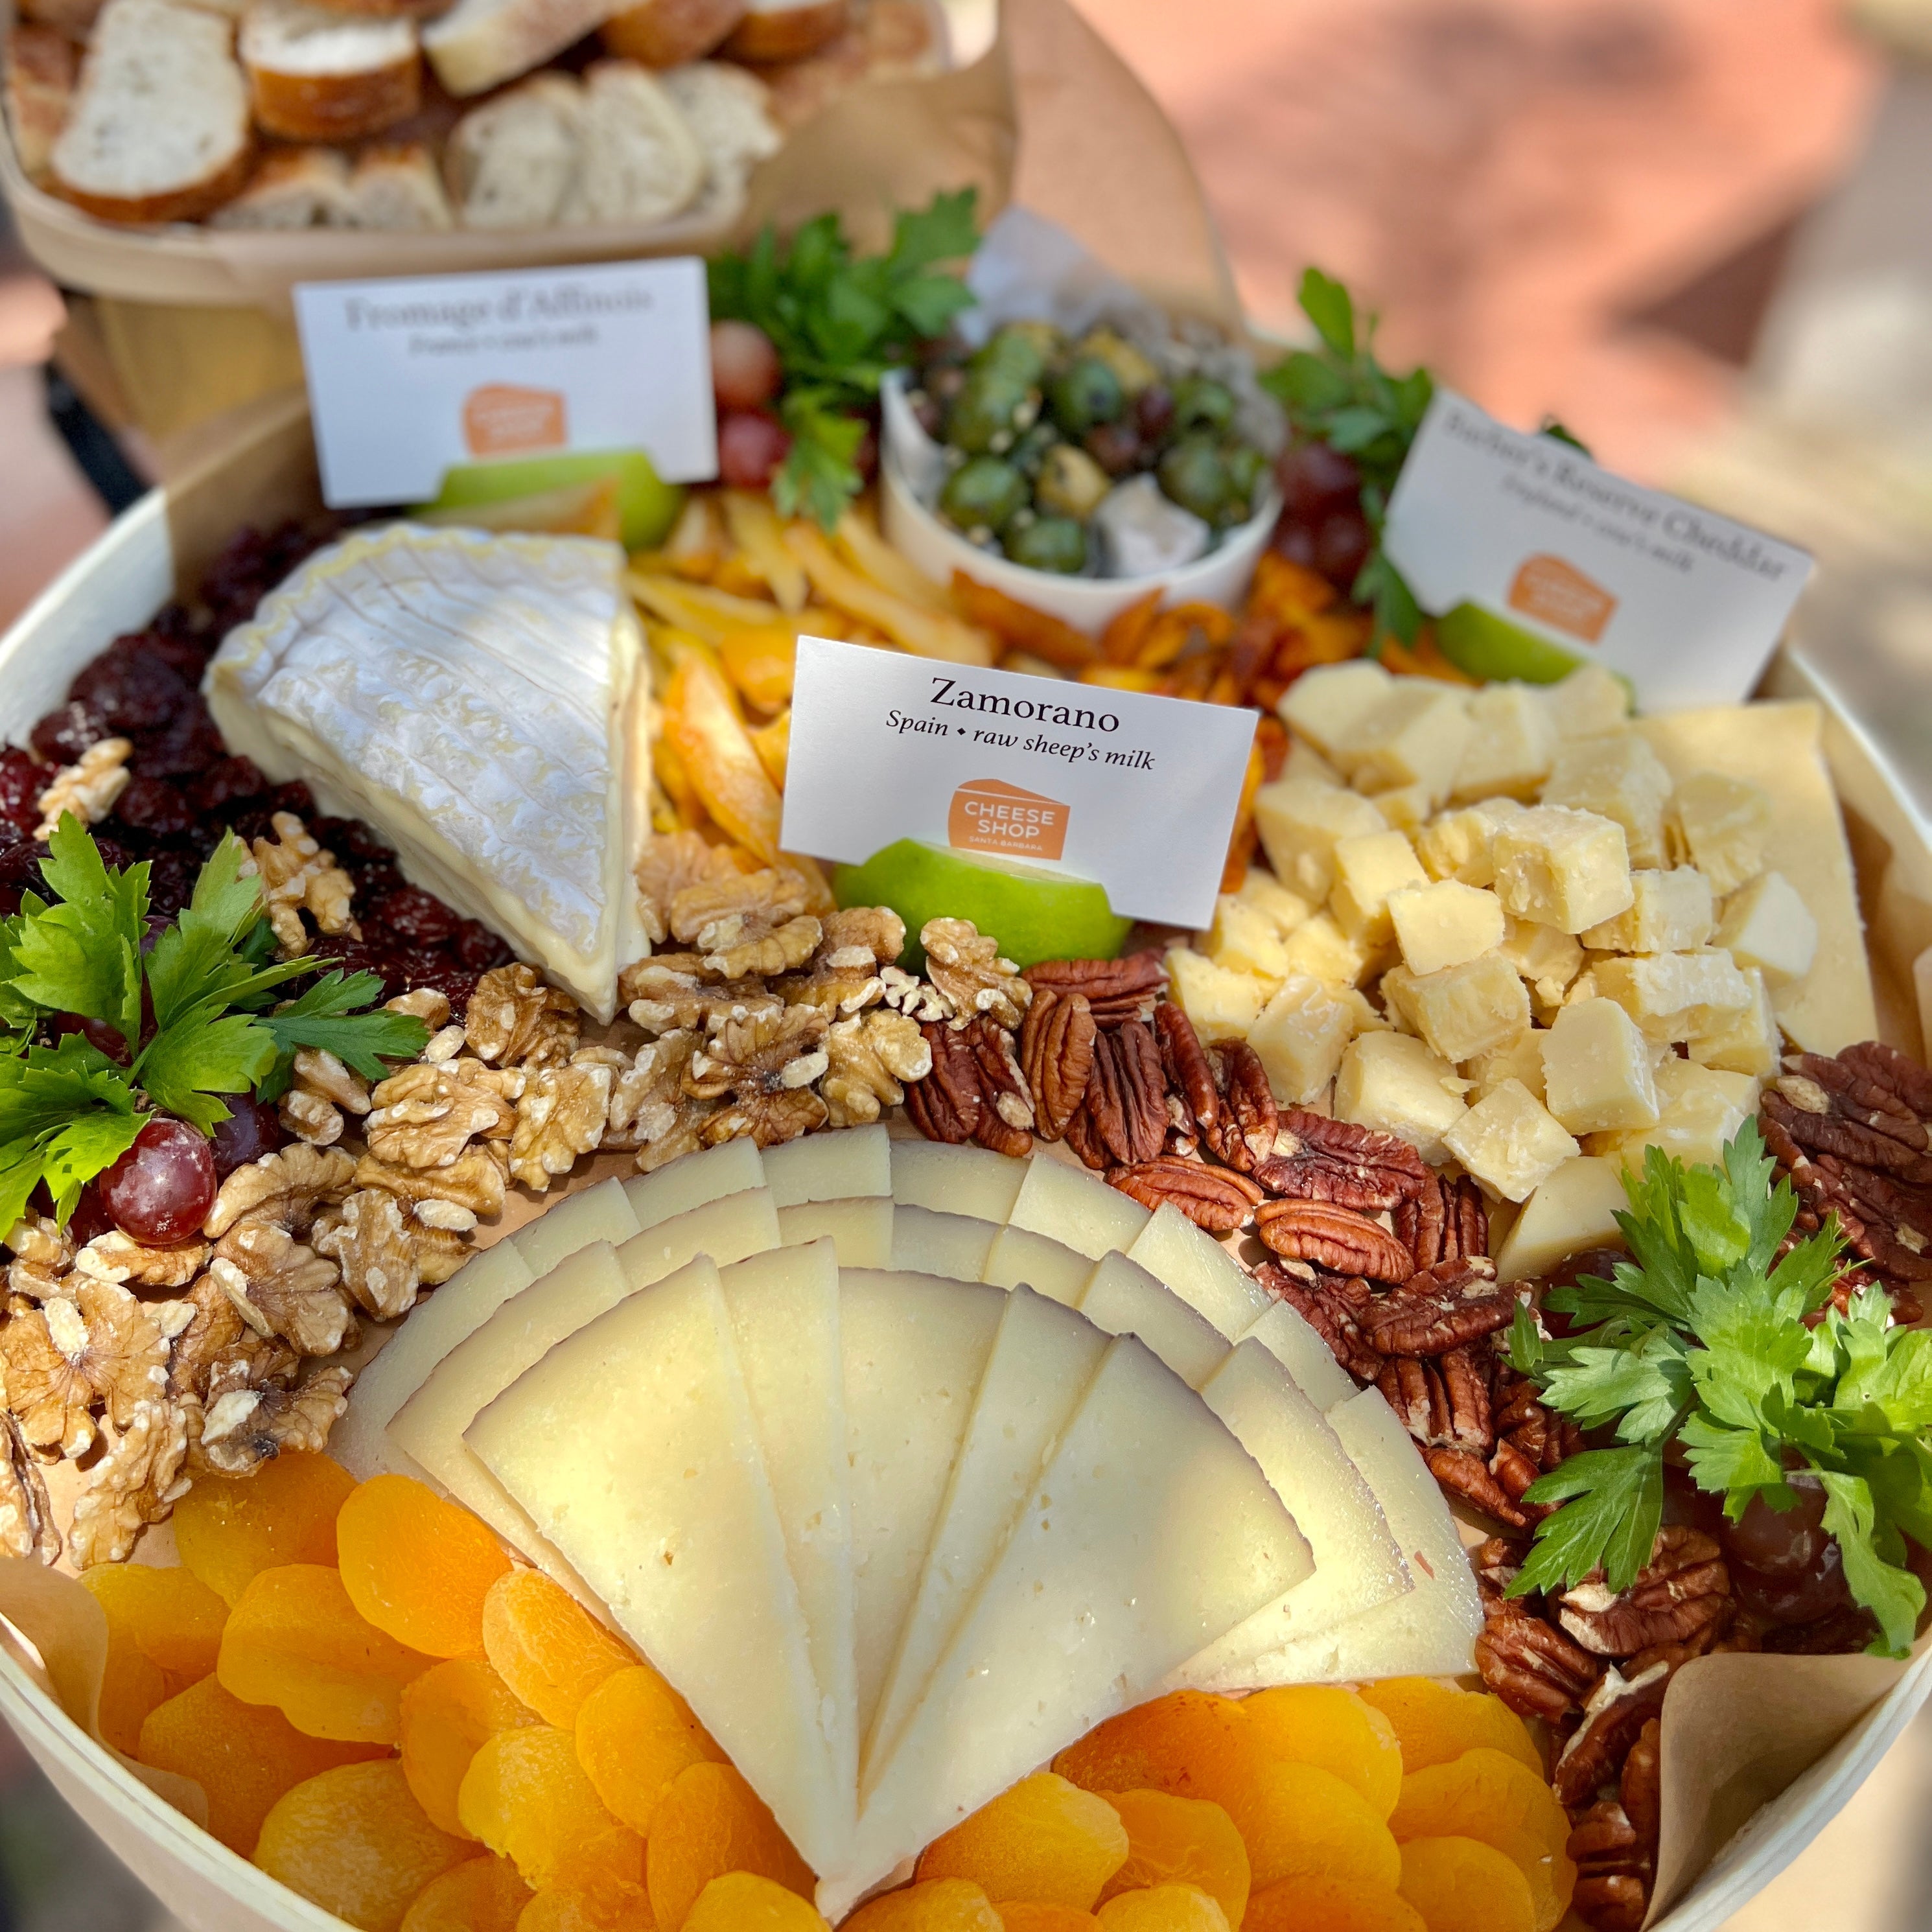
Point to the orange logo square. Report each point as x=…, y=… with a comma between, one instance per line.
x=502, y=419
x=989, y=816
x=1559, y=595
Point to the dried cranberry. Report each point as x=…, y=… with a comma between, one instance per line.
x=1153, y=410
x=477, y=949
x=113, y=853
x=252, y=1128
x=250, y=567
x=352, y=957
x=171, y=879
x=439, y=971
x=154, y=806
x=187, y=745
x=1295, y=541
x=411, y=916
x=222, y=784
x=23, y=778
x=1115, y=446
x=133, y=688
x=62, y=735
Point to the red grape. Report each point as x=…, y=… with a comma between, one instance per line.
x=1342, y=541
x=750, y=446
x=745, y=368
x=1785, y=1543
x=252, y=1128
x=88, y=1220
x=1799, y=1598
x=1316, y=479
x=159, y=1191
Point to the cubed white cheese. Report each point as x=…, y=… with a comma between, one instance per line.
x=1244, y=939
x=1267, y=894
x=1473, y=1008
x=1443, y=924
x=1223, y=1003
x=1768, y=926
x=1548, y=960
x=1668, y=912
x=1299, y=819
x=1367, y=870
x=1702, y=1108
x=1521, y=1060
x=1414, y=735
x=1576, y=1208
x=1617, y=776
x=1304, y=761
x=1456, y=845
x=1325, y=703
x=1300, y=1035
x=1561, y=868
x=1512, y=744
x=1322, y=950
x=1397, y=1085
x=1597, y=1069
x=1405, y=807
x=1675, y=996
x=1510, y=1142
x=1591, y=699
x=1747, y=1042
x=1720, y=825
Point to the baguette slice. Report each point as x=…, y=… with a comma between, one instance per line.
x=641, y=162
x=729, y=112
x=294, y=187
x=396, y=187
x=74, y=18
x=512, y=161
x=42, y=66
x=479, y=44
x=316, y=75
x=668, y=33
x=780, y=30
x=159, y=129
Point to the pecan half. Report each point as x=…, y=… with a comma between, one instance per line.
x=1640, y=1788
x=1000, y=1076
x=1332, y=1305
x=1316, y=1159
x=1115, y=989
x=1819, y=1126
x=1851, y=1092
x=1189, y=1073
x=1613, y=1869
x=1613, y=1719
x=1531, y=1665
x=1443, y=1404
x=1056, y=1057
x=1443, y=1221
x=947, y=1104
x=1440, y=1308
x=1127, y=1099
x=1496, y=1564
x=1216, y=1198
x=1886, y=1067
x=1339, y=1238
x=1464, y=1473
x=1681, y=1591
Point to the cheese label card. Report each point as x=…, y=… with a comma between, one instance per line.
x=1138, y=794
x=406, y=378
x=1686, y=603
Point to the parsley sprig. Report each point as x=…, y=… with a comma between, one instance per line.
x=839, y=322
x=1702, y=1339
x=195, y=1015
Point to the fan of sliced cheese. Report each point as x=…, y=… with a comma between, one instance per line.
x=908, y=1464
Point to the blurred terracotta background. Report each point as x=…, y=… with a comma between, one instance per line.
x=1577, y=206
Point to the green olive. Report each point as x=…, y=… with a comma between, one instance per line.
x=1201, y=403
x=1085, y=395
x=1136, y=372
x=1021, y=349
x=1031, y=450
x=1193, y=474
x=1246, y=466
x=1071, y=483
x=1057, y=543
x=983, y=492
x=991, y=410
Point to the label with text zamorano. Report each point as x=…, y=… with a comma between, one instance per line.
x=1137, y=792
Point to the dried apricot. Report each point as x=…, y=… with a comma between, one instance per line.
x=1461, y=1885
x=607, y=1905
x=711, y=1822
x=1300, y=1821
x=1023, y=1915
x=1320, y=1724
x=228, y=1528
x=634, y=1734
x=1180, y=1841
x=1435, y=1723
x=525, y=1796
x=354, y=1842
x=940, y=1905
x=1163, y=1908
x=448, y=1714
x=132, y=1685
x=744, y=1902
x=294, y=1640
x=1189, y=1743
x=244, y=1756
x=171, y=1617
x=1551, y=1876
x=546, y=1646
x=1461, y=1798
x=417, y=1566
x=479, y=1895
x=1329, y=1905
x=1045, y=1840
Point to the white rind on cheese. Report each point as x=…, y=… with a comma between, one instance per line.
x=915, y=1350
x=664, y=1506
x=1122, y=1298
x=1048, y=1266
x=480, y=702
x=1149, y=1533
x=862, y=1229
x=955, y=1179
x=1043, y=1357
x=1202, y=1272
x=1068, y=1205
x=953, y=1246
x=695, y=1180
x=847, y=1165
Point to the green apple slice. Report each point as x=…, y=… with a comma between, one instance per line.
x=649, y=505
x=1490, y=647
x=1034, y=915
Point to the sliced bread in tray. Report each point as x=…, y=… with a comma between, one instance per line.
x=780, y=30
x=640, y=161
x=42, y=67
x=512, y=161
x=729, y=112
x=317, y=75
x=294, y=187
x=159, y=128
x=395, y=186
x=668, y=33
x=479, y=44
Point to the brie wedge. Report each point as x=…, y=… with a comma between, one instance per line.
x=480, y=702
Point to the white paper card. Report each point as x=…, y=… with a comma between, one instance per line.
x=407, y=377
x=1687, y=604
x=1137, y=792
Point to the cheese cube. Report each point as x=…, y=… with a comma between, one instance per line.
x=1465, y=1010
x=1300, y=819
x=1456, y=845
x=1591, y=699
x=1668, y=912
x=1596, y=1067
x=1325, y=704
x=1549, y=960
x=1323, y=951
x=1300, y=1037
x=1512, y=744
x=1367, y=869
x=1700, y=1109
x=1445, y=924
x=1768, y=926
x=1575, y=1208
x=1395, y=1084
x=1748, y=1041
x=1406, y=807
x=1245, y=940
x=1414, y=735
x=1304, y=761
x=1674, y=995
x=1561, y=867
x=1267, y=894
x=1618, y=776
x=1521, y=1060
x=1720, y=825
x=1221, y=1003
x=1510, y=1142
